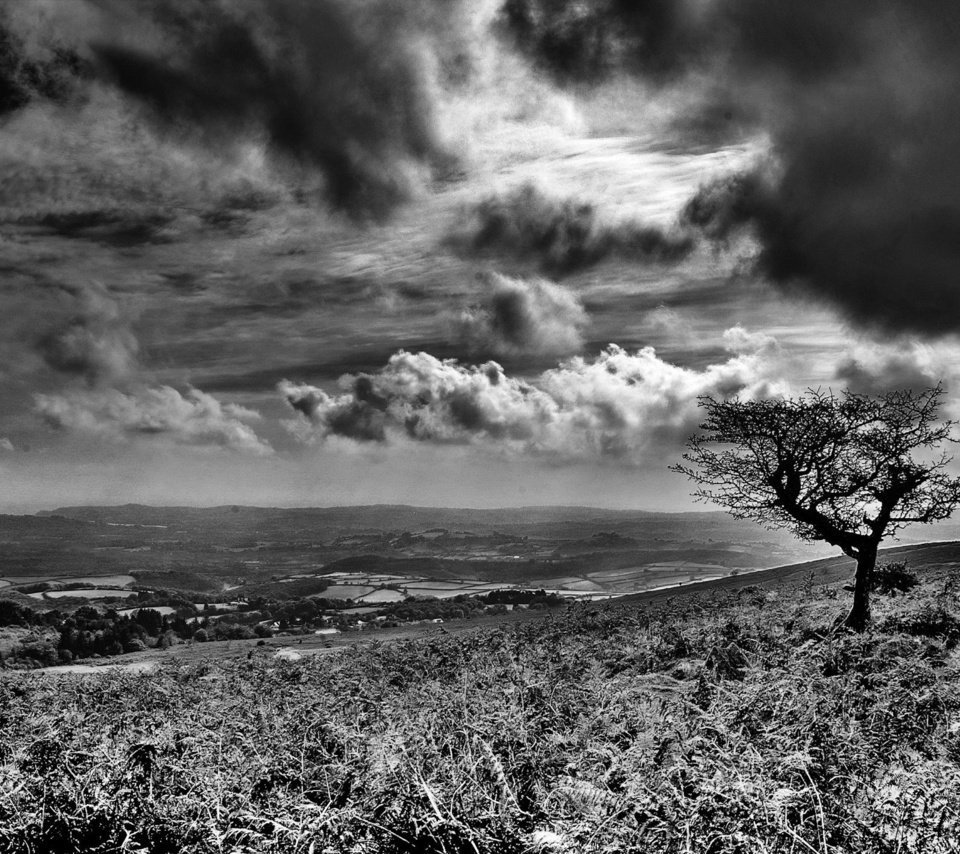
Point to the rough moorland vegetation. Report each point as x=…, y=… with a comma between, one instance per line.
x=729, y=722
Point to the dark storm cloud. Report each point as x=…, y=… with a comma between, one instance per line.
x=332, y=86
x=34, y=66
x=860, y=200
x=576, y=41
x=721, y=208
x=665, y=42
x=860, y=203
x=558, y=236
x=522, y=317
x=360, y=415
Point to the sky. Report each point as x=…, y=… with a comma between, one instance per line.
x=452, y=253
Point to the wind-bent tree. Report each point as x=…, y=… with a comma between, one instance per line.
x=847, y=469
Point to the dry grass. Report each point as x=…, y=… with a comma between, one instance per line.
x=737, y=723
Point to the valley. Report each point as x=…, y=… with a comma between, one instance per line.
x=373, y=554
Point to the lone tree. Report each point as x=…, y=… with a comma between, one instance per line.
x=837, y=468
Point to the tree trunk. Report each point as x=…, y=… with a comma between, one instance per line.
x=860, y=612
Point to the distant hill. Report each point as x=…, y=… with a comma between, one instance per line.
x=378, y=516
x=236, y=523
x=406, y=517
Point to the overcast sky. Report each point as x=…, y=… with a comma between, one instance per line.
x=456, y=253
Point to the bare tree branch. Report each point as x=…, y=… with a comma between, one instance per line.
x=847, y=469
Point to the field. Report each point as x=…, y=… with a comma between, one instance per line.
x=160, y=609
x=722, y=719
x=372, y=554
x=382, y=596
x=85, y=593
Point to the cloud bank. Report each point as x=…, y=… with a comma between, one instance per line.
x=93, y=354
x=618, y=406
x=192, y=418
x=523, y=317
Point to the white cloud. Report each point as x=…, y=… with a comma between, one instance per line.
x=193, y=418
x=736, y=339
x=619, y=405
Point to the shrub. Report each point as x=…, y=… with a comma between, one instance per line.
x=893, y=578
x=932, y=620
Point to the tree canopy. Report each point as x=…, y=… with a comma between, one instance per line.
x=848, y=469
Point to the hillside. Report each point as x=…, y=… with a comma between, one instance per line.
x=921, y=557
x=713, y=719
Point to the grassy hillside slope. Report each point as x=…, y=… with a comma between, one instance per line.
x=720, y=720
x=921, y=558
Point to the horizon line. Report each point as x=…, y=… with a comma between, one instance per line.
x=22, y=511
